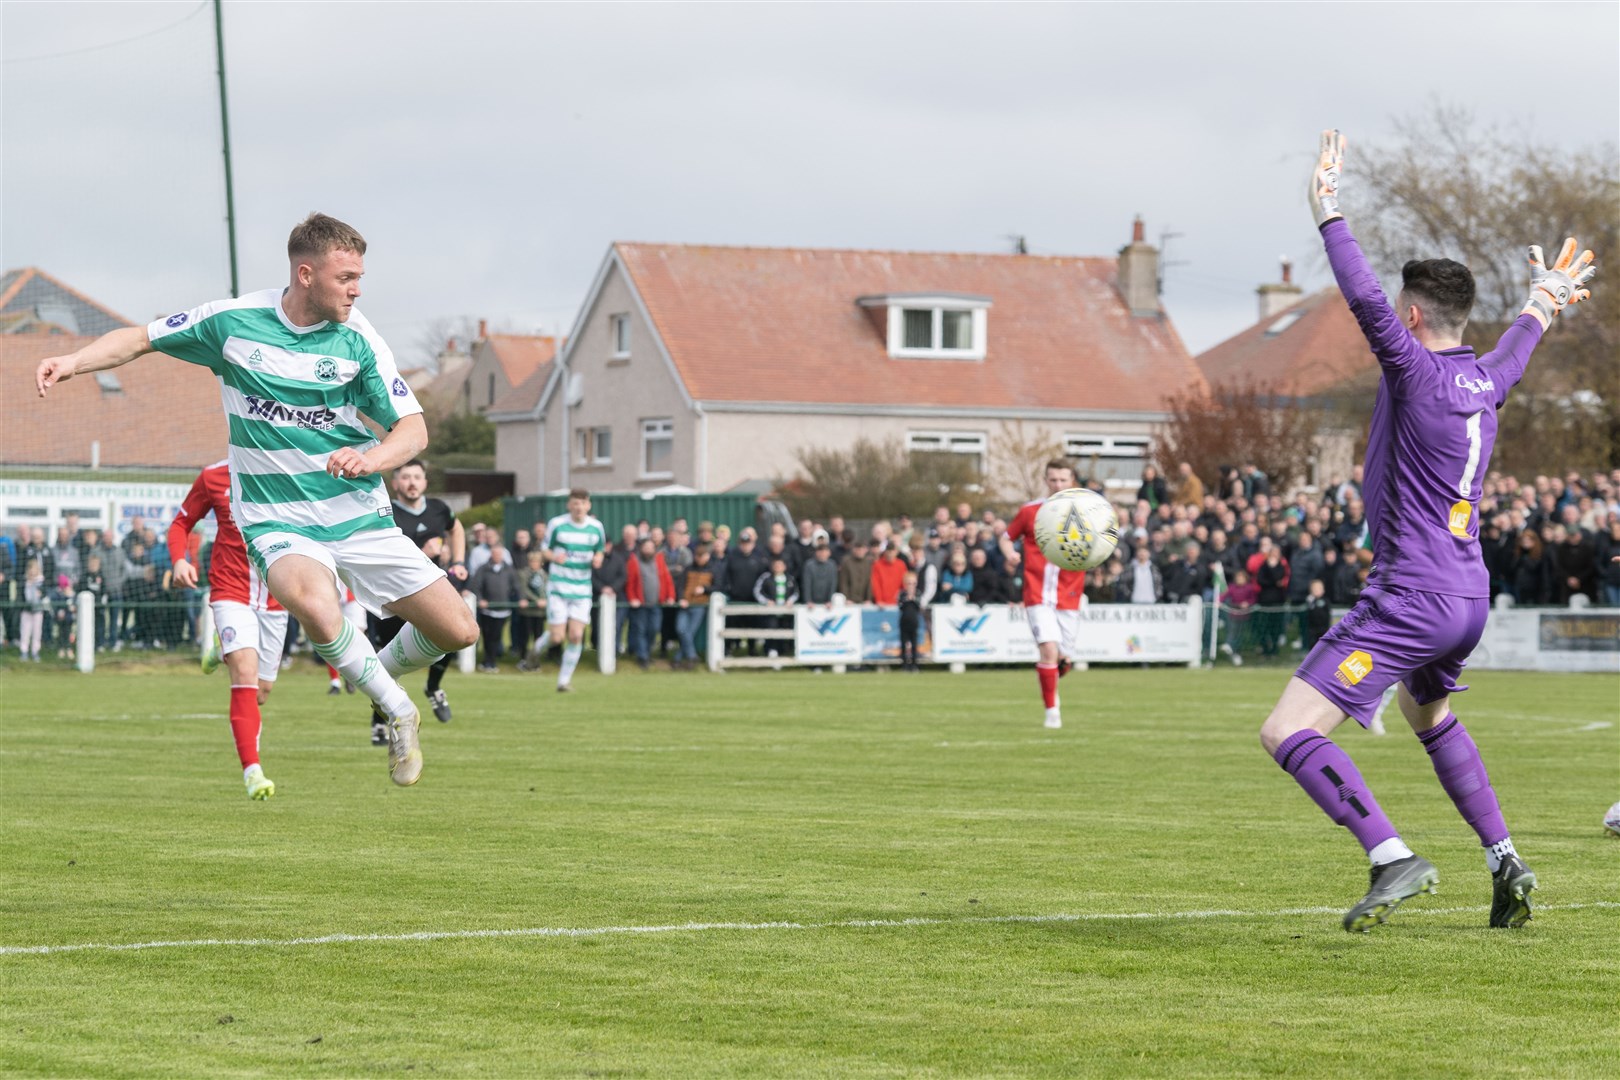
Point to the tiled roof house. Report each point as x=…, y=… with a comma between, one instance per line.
x=710, y=367
x=32, y=301
x=1305, y=347
x=157, y=412
x=500, y=364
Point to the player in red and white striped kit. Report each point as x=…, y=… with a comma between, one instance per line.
x=250, y=624
x=1052, y=596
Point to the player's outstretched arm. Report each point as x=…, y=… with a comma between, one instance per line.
x=110, y=350
x=1391, y=342
x=1324, y=186
x=1552, y=289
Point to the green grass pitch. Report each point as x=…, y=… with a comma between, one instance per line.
x=1204, y=887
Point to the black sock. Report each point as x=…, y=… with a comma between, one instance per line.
x=436, y=672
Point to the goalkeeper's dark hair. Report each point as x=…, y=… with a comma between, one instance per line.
x=320, y=233
x=1443, y=289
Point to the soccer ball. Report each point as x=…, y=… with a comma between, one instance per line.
x=1611, y=820
x=1077, y=529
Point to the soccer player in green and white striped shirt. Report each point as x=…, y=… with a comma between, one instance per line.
x=574, y=545
x=298, y=368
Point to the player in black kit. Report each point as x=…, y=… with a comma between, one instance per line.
x=429, y=524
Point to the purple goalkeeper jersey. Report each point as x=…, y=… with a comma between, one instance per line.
x=1429, y=444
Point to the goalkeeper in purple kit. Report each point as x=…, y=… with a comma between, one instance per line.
x=1428, y=448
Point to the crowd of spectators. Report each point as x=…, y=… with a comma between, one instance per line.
x=131, y=579
x=1281, y=565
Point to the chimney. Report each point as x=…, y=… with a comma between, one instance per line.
x=1275, y=298
x=483, y=330
x=1139, y=273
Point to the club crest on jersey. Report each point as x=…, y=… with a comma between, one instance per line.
x=326, y=369
x=178, y=319
x=399, y=388
x=1355, y=667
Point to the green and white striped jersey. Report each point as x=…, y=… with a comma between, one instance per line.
x=571, y=580
x=292, y=396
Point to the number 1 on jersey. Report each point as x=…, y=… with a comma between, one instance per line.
x=1462, y=512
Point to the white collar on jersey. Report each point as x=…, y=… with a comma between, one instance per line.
x=289, y=324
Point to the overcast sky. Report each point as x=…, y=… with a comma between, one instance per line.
x=491, y=152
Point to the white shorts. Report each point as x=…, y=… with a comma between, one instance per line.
x=1047, y=623
x=242, y=627
x=559, y=610
x=379, y=565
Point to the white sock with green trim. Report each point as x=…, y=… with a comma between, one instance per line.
x=570, y=660
x=409, y=650
x=356, y=661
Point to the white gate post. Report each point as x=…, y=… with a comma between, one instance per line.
x=607, y=634
x=838, y=602
x=1197, y=605
x=85, y=619
x=467, y=658
x=717, y=624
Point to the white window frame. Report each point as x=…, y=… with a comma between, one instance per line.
x=619, y=335
x=897, y=331
x=973, y=443
x=657, y=428
x=1082, y=448
x=587, y=444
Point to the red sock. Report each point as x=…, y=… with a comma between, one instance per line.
x=245, y=723
x=1048, y=674
x=331, y=673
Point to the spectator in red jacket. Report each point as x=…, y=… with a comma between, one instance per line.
x=887, y=575
x=647, y=585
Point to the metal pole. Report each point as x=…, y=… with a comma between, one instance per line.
x=225, y=132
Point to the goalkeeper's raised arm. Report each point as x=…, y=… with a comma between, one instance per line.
x=110, y=350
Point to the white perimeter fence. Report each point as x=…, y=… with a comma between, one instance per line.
x=1579, y=638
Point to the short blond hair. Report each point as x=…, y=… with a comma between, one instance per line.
x=320, y=233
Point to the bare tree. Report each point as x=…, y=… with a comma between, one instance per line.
x=1018, y=451
x=436, y=336
x=1235, y=423
x=874, y=479
x=1450, y=188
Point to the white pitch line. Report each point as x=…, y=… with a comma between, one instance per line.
x=686, y=928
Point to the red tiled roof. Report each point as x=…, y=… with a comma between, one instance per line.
x=525, y=395
x=520, y=355
x=1305, y=349
x=782, y=324
x=168, y=414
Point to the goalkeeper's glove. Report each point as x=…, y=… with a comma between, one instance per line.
x=1324, y=190
x=1553, y=289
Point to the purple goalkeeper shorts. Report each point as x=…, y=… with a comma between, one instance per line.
x=1394, y=635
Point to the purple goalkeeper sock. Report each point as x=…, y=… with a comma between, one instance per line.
x=1331, y=779
x=1457, y=763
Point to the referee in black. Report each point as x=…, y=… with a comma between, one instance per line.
x=430, y=525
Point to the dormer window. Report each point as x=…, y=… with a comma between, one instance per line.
x=948, y=326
